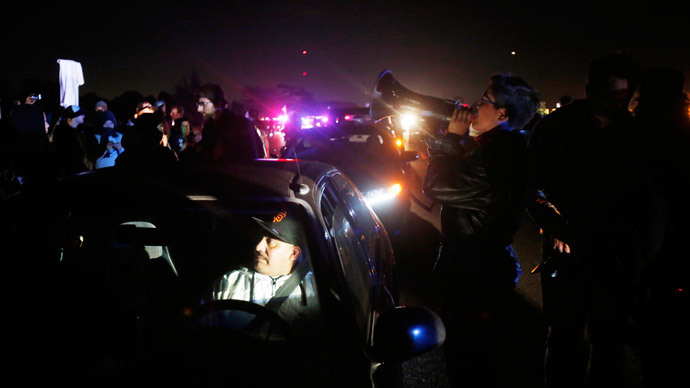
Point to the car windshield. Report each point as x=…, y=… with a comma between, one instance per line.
x=117, y=263
x=350, y=150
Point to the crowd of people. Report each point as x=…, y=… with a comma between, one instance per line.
x=38, y=147
x=605, y=177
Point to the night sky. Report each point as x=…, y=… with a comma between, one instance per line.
x=444, y=49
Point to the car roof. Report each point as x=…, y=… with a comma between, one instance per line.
x=264, y=178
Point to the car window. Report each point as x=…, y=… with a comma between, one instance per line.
x=367, y=227
x=338, y=147
x=352, y=228
x=113, y=261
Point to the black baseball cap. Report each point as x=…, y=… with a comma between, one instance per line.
x=282, y=226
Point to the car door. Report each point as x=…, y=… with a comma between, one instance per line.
x=363, y=251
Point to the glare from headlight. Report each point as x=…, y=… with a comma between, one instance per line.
x=408, y=121
x=377, y=196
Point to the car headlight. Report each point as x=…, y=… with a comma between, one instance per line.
x=373, y=197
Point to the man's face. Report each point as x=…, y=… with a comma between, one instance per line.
x=274, y=257
x=175, y=114
x=614, y=101
x=489, y=114
x=206, y=108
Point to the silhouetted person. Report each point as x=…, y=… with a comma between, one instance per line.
x=142, y=144
x=69, y=142
x=180, y=130
x=477, y=172
x=226, y=136
x=584, y=161
x=29, y=147
x=660, y=108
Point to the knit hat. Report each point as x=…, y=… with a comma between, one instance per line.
x=282, y=226
x=102, y=104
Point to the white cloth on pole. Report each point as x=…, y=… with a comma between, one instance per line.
x=71, y=78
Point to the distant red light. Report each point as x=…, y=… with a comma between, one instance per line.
x=305, y=73
x=304, y=52
x=347, y=117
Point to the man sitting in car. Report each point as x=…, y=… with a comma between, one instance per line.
x=280, y=278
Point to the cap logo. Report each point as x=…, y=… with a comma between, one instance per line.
x=280, y=216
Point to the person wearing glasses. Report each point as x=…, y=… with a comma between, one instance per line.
x=477, y=172
x=226, y=136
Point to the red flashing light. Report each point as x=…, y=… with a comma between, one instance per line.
x=304, y=73
x=304, y=52
x=347, y=117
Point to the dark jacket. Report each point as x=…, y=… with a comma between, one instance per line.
x=590, y=174
x=481, y=186
x=71, y=151
x=230, y=138
x=28, y=128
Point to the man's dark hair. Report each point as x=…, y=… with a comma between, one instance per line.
x=517, y=96
x=179, y=107
x=214, y=93
x=617, y=65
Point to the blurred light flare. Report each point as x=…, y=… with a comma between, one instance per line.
x=378, y=196
x=307, y=122
x=408, y=121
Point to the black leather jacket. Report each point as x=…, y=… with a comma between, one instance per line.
x=481, y=184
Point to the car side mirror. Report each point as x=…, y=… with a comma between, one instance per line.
x=410, y=156
x=405, y=332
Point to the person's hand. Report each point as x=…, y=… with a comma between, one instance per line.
x=560, y=246
x=460, y=122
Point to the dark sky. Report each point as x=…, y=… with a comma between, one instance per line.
x=444, y=49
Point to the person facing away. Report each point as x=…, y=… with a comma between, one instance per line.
x=70, y=142
x=28, y=144
x=477, y=172
x=660, y=108
x=584, y=163
x=226, y=136
x=142, y=145
x=28, y=124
